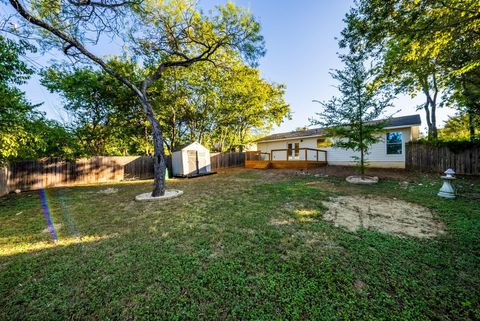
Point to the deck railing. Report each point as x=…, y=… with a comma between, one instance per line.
x=318, y=155
x=257, y=155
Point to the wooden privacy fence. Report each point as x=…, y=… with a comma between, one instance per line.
x=4, y=173
x=50, y=172
x=428, y=158
x=227, y=160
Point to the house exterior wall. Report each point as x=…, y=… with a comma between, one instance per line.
x=415, y=133
x=377, y=156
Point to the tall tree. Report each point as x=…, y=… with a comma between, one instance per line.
x=353, y=116
x=464, y=93
x=249, y=104
x=220, y=107
x=415, y=77
x=418, y=43
x=161, y=34
x=16, y=112
x=458, y=128
x=427, y=29
x=24, y=132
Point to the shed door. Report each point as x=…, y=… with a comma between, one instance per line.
x=202, y=162
x=192, y=162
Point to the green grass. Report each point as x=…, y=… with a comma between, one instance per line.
x=214, y=254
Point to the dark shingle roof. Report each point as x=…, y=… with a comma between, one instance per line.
x=410, y=120
x=404, y=121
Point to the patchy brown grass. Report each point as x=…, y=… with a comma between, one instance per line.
x=384, y=215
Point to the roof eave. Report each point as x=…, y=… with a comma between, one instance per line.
x=320, y=135
x=288, y=138
x=401, y=126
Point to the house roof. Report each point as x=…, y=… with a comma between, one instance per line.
x=404, y=121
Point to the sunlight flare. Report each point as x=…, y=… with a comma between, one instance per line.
x=47, y=214
x=25, y=247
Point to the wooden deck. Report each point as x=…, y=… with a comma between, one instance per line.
x=312, y=158
x=282, y=164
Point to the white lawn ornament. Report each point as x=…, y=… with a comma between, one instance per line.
x=447, y=190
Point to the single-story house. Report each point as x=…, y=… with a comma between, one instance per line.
x=311, y=148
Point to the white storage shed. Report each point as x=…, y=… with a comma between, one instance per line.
x=191, y=160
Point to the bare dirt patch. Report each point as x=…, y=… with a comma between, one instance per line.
x=381, y=173
x=384, y=215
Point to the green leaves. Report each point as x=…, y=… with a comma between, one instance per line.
x=423, y=47
x=13, y=70
x=178, y=31
x=353, y=115
x=18, y=117
x=107, y=119
x=221, y=107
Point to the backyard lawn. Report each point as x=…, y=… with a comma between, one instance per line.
x=243, y=244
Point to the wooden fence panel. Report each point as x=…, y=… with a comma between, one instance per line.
x=4, y=173
x=428, y=158
x=50, y=172
x=140, y=168
x=227, y=160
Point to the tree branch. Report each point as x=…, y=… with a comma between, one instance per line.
x=72, y=43
x=103, y=4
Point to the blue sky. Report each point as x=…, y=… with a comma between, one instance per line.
x=301, y=50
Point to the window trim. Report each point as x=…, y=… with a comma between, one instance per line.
x=387, y=143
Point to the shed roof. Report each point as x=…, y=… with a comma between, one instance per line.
x=186, y=146
x=403, y=121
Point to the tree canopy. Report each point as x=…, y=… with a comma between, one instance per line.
x=106, y=118
x=422, y=46
x=223, y=108
x=426, y=29
x=24, y=132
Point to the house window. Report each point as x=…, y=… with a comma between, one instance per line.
x=323, y=142
x=394, y=143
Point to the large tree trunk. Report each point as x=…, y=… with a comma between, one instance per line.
x=362, y=152
x=362, y=163
x=434, y=129
x=431, y=117
x=427, y=117
x=431, y=105
x=471, y=125
x=159, y=162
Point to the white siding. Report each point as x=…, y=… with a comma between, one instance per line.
x=377, y=154
x=180, y=159
x=177, y=163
